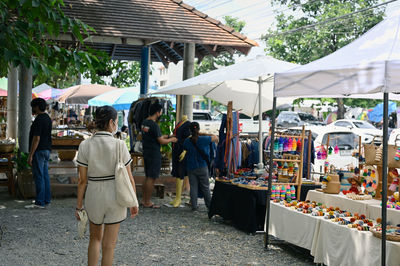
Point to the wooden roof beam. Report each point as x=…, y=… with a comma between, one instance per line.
x=102, y=39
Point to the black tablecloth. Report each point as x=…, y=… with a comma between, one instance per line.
x=244, y=207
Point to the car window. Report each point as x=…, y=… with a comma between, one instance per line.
x=200, y=116
x=243, y=116
x=287, y=116
x=344, y=140
x=307, y=117
x=342, y=124
x=362, y=124
x=218, y=116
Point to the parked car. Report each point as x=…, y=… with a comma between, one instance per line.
x=362, y=128
x=248, y=125
x=394, y=138
x=345, y=139
x=207, y=123
x=295, y=119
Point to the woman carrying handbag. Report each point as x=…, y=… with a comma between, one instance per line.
x=98, y=159
x=197, y=153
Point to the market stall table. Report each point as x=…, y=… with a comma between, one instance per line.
x=340, y=245
x=329, y=242
x=302, y=234
x=244, y=207
x=393, y=215
x=341, y=201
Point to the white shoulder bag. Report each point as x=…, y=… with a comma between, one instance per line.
x=125, y=194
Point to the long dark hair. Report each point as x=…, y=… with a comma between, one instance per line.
x=103, y=116
x=194, y=130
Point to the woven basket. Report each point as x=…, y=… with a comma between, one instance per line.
x=66, y=155
x=389, y=237
x=370, y=154
x=7, y=148
x=26, y=184
x=66, y=141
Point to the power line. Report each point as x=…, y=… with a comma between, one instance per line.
x=334, y=19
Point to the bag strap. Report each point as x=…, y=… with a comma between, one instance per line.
x=119, y=152
x=202, y=154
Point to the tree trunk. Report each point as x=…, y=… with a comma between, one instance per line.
x=340, y=110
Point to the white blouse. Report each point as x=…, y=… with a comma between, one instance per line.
x=99, y=155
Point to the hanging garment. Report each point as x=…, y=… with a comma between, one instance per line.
x=219, y=158
x=181, y=132
x=305, y=158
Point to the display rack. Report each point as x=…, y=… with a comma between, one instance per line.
x=290, y=158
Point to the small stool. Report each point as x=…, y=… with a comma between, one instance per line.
x=7, y=168
x=137, y=161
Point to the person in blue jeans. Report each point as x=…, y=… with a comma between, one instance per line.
x=39, y=153
x=197, y=153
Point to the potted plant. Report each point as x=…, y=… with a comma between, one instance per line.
x=25, y=182
x=167, y=124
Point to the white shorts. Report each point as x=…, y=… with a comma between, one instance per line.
x=101, y=204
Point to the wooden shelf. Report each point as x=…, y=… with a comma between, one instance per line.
x=287, y=160
x=290, y=136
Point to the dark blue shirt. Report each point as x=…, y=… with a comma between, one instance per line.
x=193, y=157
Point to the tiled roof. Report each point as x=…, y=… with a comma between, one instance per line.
x=167, y=24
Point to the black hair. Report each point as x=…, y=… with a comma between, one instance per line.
x=123, y=128
x=103, y=116
x=154, y=108
x=194, y=130
x=39, y=102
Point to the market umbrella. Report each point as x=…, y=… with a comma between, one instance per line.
x=41, y=88
x=243, y=83
x=376, y=115
x=81, y=94
x=120, y=99
x=369, y=64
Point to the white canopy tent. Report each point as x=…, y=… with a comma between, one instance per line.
x=243, y=83
x=370, y=64
x=237, y=83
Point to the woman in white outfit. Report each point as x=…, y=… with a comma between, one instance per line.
x=97, y=159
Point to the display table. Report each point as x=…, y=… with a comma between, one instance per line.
x=330, y=243
x=281, y=226
x=393, y=216
x=371, y=208
x=244, y=207
x=341, y=201
x=340, y=245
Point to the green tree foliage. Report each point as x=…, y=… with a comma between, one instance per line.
x=210, y=63
x=116, y=73
x=27, y=33
x=303, y=46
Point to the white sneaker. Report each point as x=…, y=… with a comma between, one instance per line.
x=34, y=206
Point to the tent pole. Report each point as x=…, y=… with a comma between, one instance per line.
x=384, y=175
x=260, y=133
x=270, y=172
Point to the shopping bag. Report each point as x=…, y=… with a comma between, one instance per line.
x=125, y=194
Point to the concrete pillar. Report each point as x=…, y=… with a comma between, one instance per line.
x=188, y=72
x=144, y=70
x=24, y=107
x=12, y=102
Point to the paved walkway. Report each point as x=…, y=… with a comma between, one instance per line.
x=156, y=237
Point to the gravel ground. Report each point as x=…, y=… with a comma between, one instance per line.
x=167, y=236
